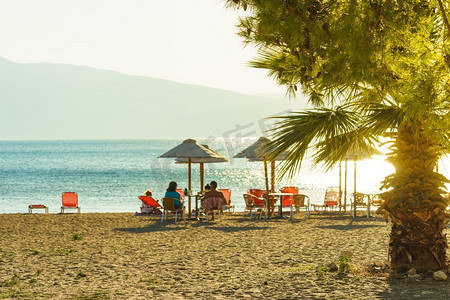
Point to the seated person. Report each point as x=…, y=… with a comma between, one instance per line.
x=213, y=193
x=172, y=193
x=149, y=209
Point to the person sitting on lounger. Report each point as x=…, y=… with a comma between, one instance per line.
x=172, y=193
x=149, y=205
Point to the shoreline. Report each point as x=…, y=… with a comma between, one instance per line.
x=122, y=256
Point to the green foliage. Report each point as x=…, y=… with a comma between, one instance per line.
x=80, y=275
x=372, y=69
x=15, y=279
x=343, y=264
x=322, y=271
x=367, y=66
x=77, y=237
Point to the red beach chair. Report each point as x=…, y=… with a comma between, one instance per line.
x=227, y=194
x=70, y=201
x=181, y=192
x=149, y=205
x=332, y=197
x=257, y=196
x=287, y=200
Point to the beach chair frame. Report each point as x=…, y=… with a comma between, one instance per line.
x=169, y=205
x=298, y=201
x=250, y=205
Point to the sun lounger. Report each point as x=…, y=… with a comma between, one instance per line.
x=227, y=205
x=149, y=205
x=332, y=197
x=70, y=201
x=37, y=206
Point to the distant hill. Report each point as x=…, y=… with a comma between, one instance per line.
x=57, y=101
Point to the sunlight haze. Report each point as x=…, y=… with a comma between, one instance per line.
x=188, y=41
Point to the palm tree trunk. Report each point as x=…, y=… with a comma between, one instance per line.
x=415, y=203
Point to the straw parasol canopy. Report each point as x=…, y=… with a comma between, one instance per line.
x=258, y=151
x=190, y=151
x=202, y=161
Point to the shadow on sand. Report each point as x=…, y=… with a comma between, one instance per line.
x=353, y=223
x=157, y=226
x=170, y=225
x=415, y=289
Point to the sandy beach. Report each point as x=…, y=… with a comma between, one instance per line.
x=122, y=256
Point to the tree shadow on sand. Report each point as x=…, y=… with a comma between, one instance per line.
x=238, y=228
x=156, y=226
x=415, y=289
x=354, y=224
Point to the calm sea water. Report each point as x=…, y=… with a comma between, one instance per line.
x=109, y=175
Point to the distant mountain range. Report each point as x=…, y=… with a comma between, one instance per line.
x=58, y=101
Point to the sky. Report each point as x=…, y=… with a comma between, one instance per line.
x=188, y=41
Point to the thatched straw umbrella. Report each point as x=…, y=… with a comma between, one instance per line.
x=190, y=151
x=258, y=151
x=202, y=161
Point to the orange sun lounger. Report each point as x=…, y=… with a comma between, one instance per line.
x=70, y=201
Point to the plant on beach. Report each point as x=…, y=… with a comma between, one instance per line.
x=343, y=264
x=374, y=71
x=15, y=279
x=77, y=237
x=322, y=271
x=80, y=275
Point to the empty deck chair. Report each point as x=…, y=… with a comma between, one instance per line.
x=300, y=201
x=149, y=205
x=169, y=206
x=257, y=195
x=70, y=201
x=227, y=205
x=358, y=200
x=332, y=197
x=251, y=206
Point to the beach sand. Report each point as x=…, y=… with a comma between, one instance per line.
x=122, y=256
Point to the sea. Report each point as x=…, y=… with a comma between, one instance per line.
x=109, y=175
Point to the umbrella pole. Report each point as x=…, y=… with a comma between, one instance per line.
x=189, y=185
x=354, y=189
x=272, y=176
x=345, y=186
x=340, y=185
x=202, y=181
x=267, y=186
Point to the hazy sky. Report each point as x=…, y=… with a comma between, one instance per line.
x=189, y=41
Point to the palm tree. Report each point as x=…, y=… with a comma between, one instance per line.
x=373, y=70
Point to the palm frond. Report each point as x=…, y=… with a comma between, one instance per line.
x=299, y=132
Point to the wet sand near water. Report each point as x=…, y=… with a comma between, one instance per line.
x=122, y=256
